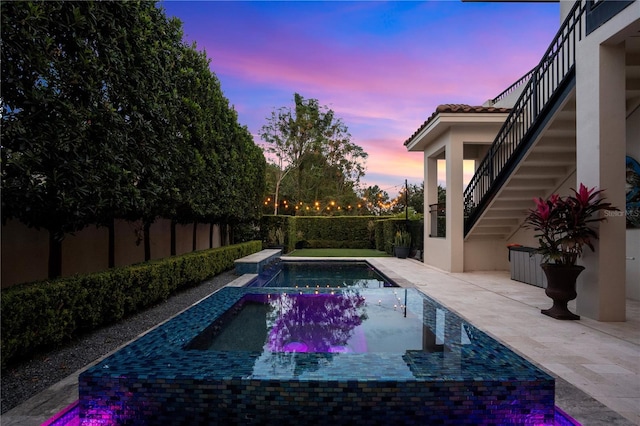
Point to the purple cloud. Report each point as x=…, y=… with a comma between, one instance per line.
x=382, y=67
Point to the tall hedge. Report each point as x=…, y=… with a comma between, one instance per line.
x=339, y=231
x=108, y=114
x=334, y=232
x=386, y=231
x=272, y=225
x=43, y=314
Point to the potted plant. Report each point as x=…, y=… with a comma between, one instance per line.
x=402, y=244
x=564, y=229
x=276, y=238
x=300, y=241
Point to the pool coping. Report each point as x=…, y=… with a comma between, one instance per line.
x=255, y=262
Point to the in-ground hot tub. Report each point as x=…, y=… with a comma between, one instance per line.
x=322, y=359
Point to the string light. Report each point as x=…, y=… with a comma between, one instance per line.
x=333, y=207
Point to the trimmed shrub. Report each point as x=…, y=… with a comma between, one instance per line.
x=337, y=244
x=358, y=232
x=386, y=229
x=274, y=231
x=319, y=231
x=379, y=229
x=44, y=314
x=416, y=228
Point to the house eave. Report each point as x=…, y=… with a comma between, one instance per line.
x=443, y=122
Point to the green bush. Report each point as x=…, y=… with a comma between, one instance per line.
x=335, y=232
x=379, y=230
x=387, y=229
x=44, y=314
x=319, y=231
x=337, y=244
x=359, y=232
x=275, y=232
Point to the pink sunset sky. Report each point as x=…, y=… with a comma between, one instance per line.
x=383, y=67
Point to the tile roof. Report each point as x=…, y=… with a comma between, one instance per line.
x=456, y=108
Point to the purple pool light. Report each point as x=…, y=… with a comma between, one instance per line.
x=69, y=416
x=295, y=347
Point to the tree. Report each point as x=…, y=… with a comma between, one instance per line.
x=375, y=199
x=311, y=142
x=416, y=197
x=200, y=125
x=245, y=172
x=107, y=114
x=70, y=102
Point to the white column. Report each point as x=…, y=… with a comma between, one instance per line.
x=601, y=146
x=455, y=204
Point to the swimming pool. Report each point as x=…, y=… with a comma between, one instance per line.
x=446, y=372
x=321, y=274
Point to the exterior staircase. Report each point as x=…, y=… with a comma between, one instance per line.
x=549, y=161
x=534, y=153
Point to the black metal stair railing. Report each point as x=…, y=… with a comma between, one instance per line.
x=547, y=79
x=522, y=80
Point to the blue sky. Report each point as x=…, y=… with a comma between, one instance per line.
x=383, y=67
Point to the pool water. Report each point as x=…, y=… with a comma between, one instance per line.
x=344, y=322
x=313, y=359
x=321, y=274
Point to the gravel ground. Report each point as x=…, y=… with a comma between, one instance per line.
x=21, y=382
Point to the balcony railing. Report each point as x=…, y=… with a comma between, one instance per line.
x=534, y=104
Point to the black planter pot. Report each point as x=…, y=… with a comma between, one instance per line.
x=401, y=252
x=561, y=288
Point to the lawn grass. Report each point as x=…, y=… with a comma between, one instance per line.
x=338, y=252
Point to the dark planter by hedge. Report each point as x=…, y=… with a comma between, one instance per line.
x=401, y=252
x=561, y=288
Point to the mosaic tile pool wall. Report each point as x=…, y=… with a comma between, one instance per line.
x=468, y=379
